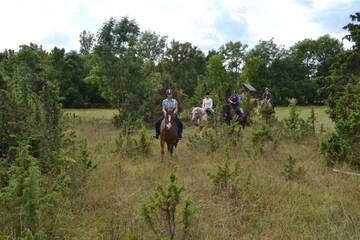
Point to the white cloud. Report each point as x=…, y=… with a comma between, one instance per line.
x=288, y=21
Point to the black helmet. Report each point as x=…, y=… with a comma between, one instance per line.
x=207, y=93
x=168, y=92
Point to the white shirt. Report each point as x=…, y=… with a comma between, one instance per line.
x=207, y=103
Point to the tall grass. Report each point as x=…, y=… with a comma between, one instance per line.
x=265, y=205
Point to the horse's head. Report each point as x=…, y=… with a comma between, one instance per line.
x=169, y=119
x=196, y=114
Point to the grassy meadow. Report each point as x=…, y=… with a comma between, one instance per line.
x=320, y=204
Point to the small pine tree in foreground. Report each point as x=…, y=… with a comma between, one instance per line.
x=160, y=212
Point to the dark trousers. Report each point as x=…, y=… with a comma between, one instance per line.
x=236, y=108
x=209, y=112
x=178, y=123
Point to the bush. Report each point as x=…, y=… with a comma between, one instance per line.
x=336, y=149
x=22, y=193
x=291, y=172
x=160, y=212
x=312, y=119
x=225, y=177
x=263, y=135
x=267, y=113
x=207, y=141
x=131, y=143
x=295, y=127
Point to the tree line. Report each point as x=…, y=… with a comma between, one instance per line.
x=42, y=162
x=129, y=69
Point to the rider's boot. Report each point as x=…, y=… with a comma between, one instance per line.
x=180, y=135
x=156, y=135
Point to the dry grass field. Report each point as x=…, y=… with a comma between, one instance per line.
x=320, y=204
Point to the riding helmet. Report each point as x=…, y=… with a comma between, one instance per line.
x=168, y=92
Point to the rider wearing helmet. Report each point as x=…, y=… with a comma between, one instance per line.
x=267, y=95
x=207, y=104
x=169, y=104
x=235, y=104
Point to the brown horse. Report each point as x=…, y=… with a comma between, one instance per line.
x=230, y=115
x=168, y=134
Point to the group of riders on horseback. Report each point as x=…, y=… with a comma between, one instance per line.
x=170, y=105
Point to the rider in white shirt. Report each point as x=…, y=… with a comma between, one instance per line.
x=207, y=104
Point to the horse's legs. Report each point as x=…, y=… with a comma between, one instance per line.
x=162, y=149
x=171, y=149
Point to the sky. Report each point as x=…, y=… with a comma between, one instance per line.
x=205, y=23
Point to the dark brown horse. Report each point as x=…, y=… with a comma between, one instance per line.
x=229, y=115
x=168, y=134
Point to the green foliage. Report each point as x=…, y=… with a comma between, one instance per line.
x=160, y=211
x=292, y=172
x=354, y=30
x=312, y=119
x=23, y=191
x=343, y=85
x=225, y=177
x=207, y=140
x=263, y=135
x=52, y=128
x=231, y=134
x=295, y=127
x=132, y=142
x=336, y=149
x=267, y=113
x=144, y=141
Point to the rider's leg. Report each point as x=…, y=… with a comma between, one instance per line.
x=179, y=126
x=157, y=126
x=238, y=111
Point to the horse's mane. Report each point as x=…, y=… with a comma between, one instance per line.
x=195, y=109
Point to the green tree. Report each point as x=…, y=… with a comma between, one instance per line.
x=151, y=47
x=343, y=85
x=183, y=64
x=234, y=54
x=87, y=41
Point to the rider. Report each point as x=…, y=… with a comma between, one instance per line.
x=267, y=95
x=207, y=104
x=169, y=104
x=235, y=104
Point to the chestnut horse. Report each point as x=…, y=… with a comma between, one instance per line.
x=168, y=134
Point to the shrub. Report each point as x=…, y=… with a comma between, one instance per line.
x=267, y=113
x=160, y=212
x=22, y=193
x=336, y=149
x=295, y=127
x=208, y=142
x=231, y=134
x=143, y=141
x=131, y=143
x=261, y=136
x=225, y=177
x=312, y=119
x=291, y=172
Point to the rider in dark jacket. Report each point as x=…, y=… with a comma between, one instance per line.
x=235, y=103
